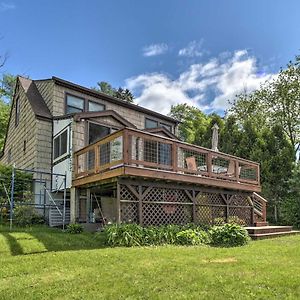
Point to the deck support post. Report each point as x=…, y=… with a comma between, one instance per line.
x=73, y=204
x=118, y=219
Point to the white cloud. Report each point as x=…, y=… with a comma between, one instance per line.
x=208, y=85
x=6, y=6
x=155, y=49
x=193, y=49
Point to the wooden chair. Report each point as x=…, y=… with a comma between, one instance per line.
x=191, y=163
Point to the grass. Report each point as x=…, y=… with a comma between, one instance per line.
x=44, y=263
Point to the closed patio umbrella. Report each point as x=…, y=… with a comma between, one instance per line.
x=215, y=137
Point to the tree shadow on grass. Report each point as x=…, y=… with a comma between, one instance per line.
x=50, y=240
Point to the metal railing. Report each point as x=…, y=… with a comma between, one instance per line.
x=131, y=147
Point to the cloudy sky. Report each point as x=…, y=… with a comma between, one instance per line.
x=167, y=52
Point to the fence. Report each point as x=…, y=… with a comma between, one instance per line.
x=44, y=192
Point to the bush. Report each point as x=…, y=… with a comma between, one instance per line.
x=74, y=228
x=228, y=235
x=128, y=235
x=192, y=237
x=25, y=215
x=236, y=220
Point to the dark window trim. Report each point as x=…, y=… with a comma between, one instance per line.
x=66, y=102
x=64, y=155
x=159, y=124
x=86, y=102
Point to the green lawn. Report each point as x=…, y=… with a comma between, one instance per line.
x=43, y=263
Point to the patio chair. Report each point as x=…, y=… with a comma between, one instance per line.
x=191, y=163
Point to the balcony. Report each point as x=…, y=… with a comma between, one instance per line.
x=135, y=153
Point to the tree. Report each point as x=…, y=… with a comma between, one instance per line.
x=120, y=93
x=4, y=116
x=7, y=86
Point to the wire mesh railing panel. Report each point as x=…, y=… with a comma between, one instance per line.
x=248, y=172
x=191, y=160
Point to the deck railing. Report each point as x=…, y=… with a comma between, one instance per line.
x=131, y=147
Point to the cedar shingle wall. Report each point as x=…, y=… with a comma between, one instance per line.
x=25, y=131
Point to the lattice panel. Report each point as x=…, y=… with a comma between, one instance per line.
x=166, y=195
x=126, y=194
x=206, y=214
x=209, y=198
x=129, y=212
x=239, y=200
x=243, y=213
x=160, y=214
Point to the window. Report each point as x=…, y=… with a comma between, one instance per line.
x=93, y=106
x=151, y=123
x=17, y=115
x=97, y=132
x=61, y=144
x=74, y=104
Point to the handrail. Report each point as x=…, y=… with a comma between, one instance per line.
x=138, y=148
x=260, y=206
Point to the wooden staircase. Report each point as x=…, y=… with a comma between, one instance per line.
x=266, y=232
x=261, y=228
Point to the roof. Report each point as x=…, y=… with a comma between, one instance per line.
x=111, y=99
x=104, y=113
x=35, y=99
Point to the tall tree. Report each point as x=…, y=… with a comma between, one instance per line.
x=120, y=93
x=7, y=86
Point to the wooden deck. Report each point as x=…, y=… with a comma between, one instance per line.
x=135, y=153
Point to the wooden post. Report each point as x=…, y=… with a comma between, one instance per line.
x=118, y=204
x=194, y=207
x=174, y=157
x=237, y=170
x=209, y=164
x=125, y=146
x=73, y=204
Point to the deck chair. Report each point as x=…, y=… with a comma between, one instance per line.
x=191, y=163
x=231, y=169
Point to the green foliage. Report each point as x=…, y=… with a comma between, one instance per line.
x=192, y=237
x=4, y=116
x=7, y=87
x=120, y=93
x=74, y=228
x=228, y=235
x=236, y=220
x=25, y=215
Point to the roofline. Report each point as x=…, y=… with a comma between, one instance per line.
x=111, y=99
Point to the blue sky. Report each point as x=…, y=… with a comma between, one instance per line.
x=167, y=52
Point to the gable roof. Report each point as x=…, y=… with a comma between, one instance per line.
x=104, y=113
x=35, y=99
x=162, y=130
x=111, y=99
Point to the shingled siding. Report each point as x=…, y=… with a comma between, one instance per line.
x=43, y=146
x=135, y=117
x=45, y=87
x=25, y=131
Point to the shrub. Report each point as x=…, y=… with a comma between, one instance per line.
x=228, y=235
x=236, y=220
x=74, y=228
x=192, y=237
x=25, y=215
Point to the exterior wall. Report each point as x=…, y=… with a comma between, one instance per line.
x=46, y=87
x=25, y=131
x=135, y=117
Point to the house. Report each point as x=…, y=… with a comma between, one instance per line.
x=120, y=162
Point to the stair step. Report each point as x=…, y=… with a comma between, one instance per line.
x=268, y=229
x=261, y=236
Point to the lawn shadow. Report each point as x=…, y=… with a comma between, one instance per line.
x=13, y=244
x=43, y=240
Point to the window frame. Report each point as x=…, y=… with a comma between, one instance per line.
x=94, y=102
x=159, y=124
x=58, y=135
x=66, y=103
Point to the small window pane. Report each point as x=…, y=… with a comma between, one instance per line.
x=93, y=106
x=56, y=147
x=151, y=123
x=64, y=142
x=97, y=132
x=74, y=104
